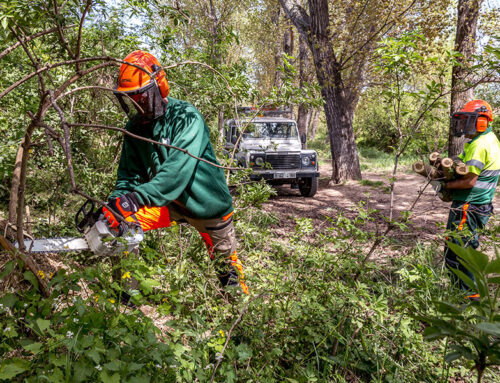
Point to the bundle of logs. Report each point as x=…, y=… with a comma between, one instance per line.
x=442, y=169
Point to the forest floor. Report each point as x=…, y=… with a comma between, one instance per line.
x=428, y=218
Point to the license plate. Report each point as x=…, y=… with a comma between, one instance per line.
x=285, y=175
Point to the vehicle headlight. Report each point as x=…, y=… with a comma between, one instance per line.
x=306, y=161
x=259, y=161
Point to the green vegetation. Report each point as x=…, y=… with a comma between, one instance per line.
x=354, y=296
x=314, y=314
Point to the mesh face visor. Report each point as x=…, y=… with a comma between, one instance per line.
x=145, y=103
x=464, y=123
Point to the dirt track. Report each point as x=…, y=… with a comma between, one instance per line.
x=330, y=200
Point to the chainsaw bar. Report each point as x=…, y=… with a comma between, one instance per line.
x=51, y=245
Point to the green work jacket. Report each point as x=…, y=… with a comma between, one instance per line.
x=160, y=175
x=482, y=156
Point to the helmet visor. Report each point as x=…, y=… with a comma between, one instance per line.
x=463, y=123
x=144, y=103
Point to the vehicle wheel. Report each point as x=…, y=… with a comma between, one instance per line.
x=309, y=186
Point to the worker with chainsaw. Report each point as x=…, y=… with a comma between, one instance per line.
x=158, y=185
x=472, y=193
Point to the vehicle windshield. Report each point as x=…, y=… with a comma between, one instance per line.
x=271, y=130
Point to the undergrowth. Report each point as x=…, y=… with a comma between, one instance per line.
x=314, y=313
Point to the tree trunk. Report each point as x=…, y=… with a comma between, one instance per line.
x=338, y=111
x=278, y=49
x=314, y=124
x=14, y=186
x=465, y=38
x=221, y=126
x=303, y=112
x=339, y=104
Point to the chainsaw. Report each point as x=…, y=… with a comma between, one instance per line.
x=98, y=237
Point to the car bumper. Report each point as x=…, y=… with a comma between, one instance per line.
x=284, y=175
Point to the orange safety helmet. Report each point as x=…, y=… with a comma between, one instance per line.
x=472, y=118
x=132, y=78
x=142, y=90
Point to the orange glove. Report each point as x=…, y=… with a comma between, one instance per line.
x=126, y=205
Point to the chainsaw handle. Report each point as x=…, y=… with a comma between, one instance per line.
x=85, y=216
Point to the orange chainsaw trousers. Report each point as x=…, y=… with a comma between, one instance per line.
x=217, y=233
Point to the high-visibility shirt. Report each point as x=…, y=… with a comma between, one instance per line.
x=482, y=156
x=160, y=175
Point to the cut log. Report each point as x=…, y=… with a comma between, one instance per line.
x=435, y=159
x=426, y=170
x=460, y=168
x=447, y=168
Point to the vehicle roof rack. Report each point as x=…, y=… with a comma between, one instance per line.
x=267, y=111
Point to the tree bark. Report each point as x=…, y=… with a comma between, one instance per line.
x=303, y=112
x=314, y=124
x=338, y=103
x=14, y=185
x=465, y=38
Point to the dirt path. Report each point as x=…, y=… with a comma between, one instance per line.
x=331, y=200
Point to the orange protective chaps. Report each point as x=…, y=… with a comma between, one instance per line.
x=217, y=233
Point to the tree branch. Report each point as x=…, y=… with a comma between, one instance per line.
x=386, y=23
x=126, y=132
x=59, y=30
x=31, y=37
x=66, y=143
x=297, y=14
x=79, y=39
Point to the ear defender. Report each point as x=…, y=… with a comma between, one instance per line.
x=481, y=124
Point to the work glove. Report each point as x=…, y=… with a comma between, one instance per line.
x=126, y=205
x=438, y=186
x=443, y=194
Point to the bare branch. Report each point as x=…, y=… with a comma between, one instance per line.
x=189, y=62
x=386, y=25
x=31, y=37
x=35, y=63
x=79, y=39
x=297, y=14
x=102, y=88
x=126, y=132
x=49, y=66
x=60, y=31
x=66, y=143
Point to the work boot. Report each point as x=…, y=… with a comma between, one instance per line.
x=229, y=279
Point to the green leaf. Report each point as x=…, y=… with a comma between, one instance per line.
x=8, y=300
x=115, y=378
x=30, y=277
x=460, y=274
x=13, y=367
x=43, y=324
x=489, y=328
x=94, y=355
x=244, y=352
x=452, y=356
x=57, y=376
x=114, y=365
x=33, y=347
x=8, y=267
x=81, y=371
x=431, y=333
x=494, y=280
x=493, y=267
x=446, y=308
